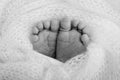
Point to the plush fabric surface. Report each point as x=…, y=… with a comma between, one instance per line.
x=18, y=60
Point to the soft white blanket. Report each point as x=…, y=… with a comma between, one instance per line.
x=18, y=60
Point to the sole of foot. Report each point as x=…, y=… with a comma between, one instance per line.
x=60, y=39
x=72, y=40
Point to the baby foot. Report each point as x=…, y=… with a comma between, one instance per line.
x=61, y=40
x=71, y=41
x=44, y=37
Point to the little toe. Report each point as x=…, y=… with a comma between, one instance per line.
x=85, y=39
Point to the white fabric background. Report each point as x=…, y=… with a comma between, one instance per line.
x=115, y=4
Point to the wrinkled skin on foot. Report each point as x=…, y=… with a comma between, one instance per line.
x=59, y=39
x=18, y=60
